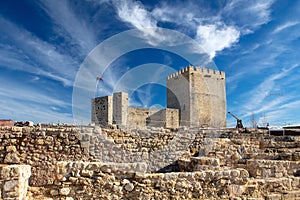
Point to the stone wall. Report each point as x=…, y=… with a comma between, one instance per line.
x=115, y=110
x=157, y=147
x=102, y=111
x=272, y=168
x=96, y=180
x=94, y=163
x=40, y=148
x=172, y=118
x=141, y=118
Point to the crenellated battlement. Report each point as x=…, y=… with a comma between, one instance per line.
x=204, y=71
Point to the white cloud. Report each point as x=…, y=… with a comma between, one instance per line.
x=213, y=38
x=133, y=12
x=211, y=32
x=285, y=26
x=190, y=14
x=216, y=29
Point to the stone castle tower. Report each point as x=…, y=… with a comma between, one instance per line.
x=200, y=96
x=196, y=97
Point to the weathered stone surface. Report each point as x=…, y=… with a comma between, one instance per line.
x=64, y=191
x=14, y=181
x=41, y=148
x=257, y=172
x=129, y=187
x=54, y=192
x=10, y=185
x=11, y=158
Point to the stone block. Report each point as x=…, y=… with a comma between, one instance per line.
x=15, y=181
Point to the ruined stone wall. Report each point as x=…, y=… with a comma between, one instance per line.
x=272, y=168
x=172, y=118
x=158, y=147
x=94, y=163
x=41, y=149
x=98, y=180
x=144, y=117
x=102, y=110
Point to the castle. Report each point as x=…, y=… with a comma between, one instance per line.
x=196, y=97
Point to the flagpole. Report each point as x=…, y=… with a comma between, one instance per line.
x=97, y=81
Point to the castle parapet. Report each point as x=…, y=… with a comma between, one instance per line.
x=202, y=70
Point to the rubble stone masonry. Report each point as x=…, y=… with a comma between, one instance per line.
x=67, y=162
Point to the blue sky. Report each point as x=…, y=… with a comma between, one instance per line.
x=44, y=43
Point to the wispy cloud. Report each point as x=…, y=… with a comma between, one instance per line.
x=267, y=97
x=69, y=25
x=26, y=52
x=263, y=90
x=20, y=111
x=285, y=26
x=22, y=92
x=22, y=102
x=248, y=16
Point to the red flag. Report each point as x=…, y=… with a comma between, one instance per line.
x=99, y=78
